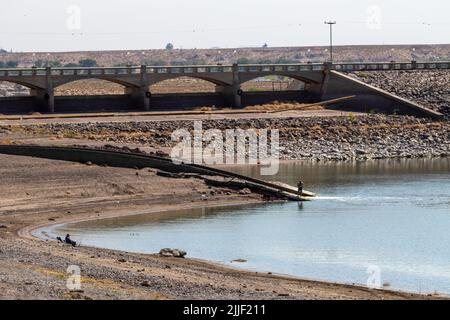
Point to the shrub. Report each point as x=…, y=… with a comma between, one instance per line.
x=87, y=63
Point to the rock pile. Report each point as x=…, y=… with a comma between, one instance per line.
x=319, y=138
x=9, y=89
x=428, y=88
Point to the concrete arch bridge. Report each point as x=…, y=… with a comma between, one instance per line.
x=322, y=81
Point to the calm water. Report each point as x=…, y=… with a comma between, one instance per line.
x=391, y=215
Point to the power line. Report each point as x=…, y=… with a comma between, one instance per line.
x=331, y=24
x=214, y=29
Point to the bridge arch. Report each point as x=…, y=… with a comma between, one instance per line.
x=184, y=84
x=216, y=81
x=281, y=87
x=250, y=77
x=273, y=83
x=22, y=83
x=90, y=87
x=17, y=88
x=58, y=82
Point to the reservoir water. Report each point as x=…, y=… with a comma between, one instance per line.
x=381, y=222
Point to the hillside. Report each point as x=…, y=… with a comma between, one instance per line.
x=229, y=56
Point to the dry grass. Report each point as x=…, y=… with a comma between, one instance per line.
x=276, y=105
x=89, y=87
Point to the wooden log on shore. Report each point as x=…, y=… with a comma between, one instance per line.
x=322, y=103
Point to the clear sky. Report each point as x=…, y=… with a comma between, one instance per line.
x=72, y=25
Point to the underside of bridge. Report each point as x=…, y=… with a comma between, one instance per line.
x=318, y=85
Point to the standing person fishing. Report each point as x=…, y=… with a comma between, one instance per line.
x=300, y=188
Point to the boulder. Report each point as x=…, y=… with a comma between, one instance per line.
x=245, y=191
x=175, y=253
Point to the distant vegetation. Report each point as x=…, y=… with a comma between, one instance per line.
x=71, y=65
x=87, y=63
x=265, y=61
x=9, y=64
x=162, y=63
x=45, y=63
x=84, y=63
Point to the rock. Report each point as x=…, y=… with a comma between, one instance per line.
x=239, y=260
x=89, y=163
x=429, y=89
x=2, y=226
x=167, y=252
x=145, y=284
x=176, y=253
x=122, y=260
x=283, y=294
x=245, y=191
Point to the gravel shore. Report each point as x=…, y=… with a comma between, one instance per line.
x=315, y=138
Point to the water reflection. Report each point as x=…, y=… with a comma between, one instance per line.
x=317, y=174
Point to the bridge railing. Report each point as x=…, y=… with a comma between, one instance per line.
x=22, y=72
x=198, y=69
x=281, y=67
x=386, y=66
x=188, y=69
x=69, y=71
x=96, y=71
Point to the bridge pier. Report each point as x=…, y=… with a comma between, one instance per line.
x=44, y=99
x=141, y=95
x=232, y=93
x=326, y=78
x=317, y=90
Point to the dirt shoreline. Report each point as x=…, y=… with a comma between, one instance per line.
x=38, y=192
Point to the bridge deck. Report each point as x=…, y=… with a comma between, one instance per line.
x=199, y=69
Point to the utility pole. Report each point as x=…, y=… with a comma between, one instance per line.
x=331, y=24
